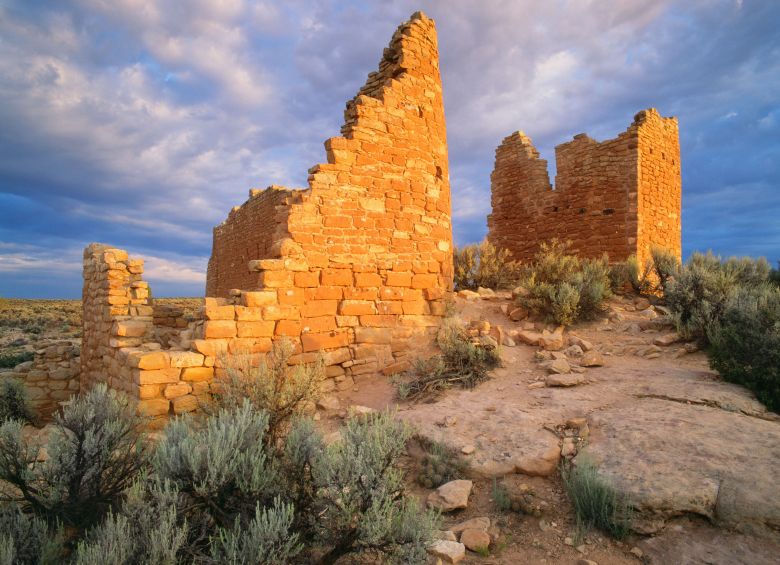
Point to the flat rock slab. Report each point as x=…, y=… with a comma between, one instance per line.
x=448, y=551
x=674, y=458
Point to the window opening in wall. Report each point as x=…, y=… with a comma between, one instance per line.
x=582, y=210
x=608, y=211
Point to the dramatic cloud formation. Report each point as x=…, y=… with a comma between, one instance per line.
x=142, y=122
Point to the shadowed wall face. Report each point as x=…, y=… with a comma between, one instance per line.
x=620, y=197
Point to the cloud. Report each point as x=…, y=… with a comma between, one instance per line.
x=142, y=122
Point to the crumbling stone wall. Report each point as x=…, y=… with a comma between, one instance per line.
x=355, y=268
x=360, y=262
x=51, y=377
x=621, y=196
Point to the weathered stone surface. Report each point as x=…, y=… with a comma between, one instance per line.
x=448, y=551
x=559, y=367
x=480, y=523
x=540, y=457
x=450, y=496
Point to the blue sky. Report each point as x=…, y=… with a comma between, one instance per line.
x=140, y=123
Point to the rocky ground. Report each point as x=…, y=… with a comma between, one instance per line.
x=698, y=457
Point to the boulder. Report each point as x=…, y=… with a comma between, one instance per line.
x=541, y=462
x=518, y=314
x=667, y=339
x=582, y=343
x=552, y=341
x=641, y=303
x=573, y=351
x=450, y=496
x=486, y=292
x=528, y=337
x=468, y=294
x=481, y=523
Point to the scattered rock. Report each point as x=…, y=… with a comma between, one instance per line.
x=586, y=562
x=328, y=402
x=518, y=314
x=537, y=384
x=447, y=551
x=508, y=342
x=481, y=523
x=638, y=552
x=592, y=358
x=475, y=540
x=467, y=449
x=552, y=341
x=528, y=337
x=649, y=314
x=446, y=535
x=486, y=292
x=573, y=351
x=691, y=347
x=564, y=380
x=667, y=339
x=543, y=355
x=450, y=496
x=568, y=447
x=468, y=294
x=641, y=303
x=519, y=291
x=585, y=345
x=542, y=463
x=358, y=410
x=652, y=356
x=559, y=367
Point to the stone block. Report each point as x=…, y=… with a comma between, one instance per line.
x=255, y=299
x=153, y=407
x=214, y=329
x=176, y=390
x=156, y=376
x=255, y=329
x=196, y=374
x=326, y=340
x=182, y=359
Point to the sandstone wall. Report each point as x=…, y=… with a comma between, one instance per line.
x=51, y=377
x=361, y=260
x=620, y=196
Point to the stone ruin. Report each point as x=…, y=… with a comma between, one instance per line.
x=621, y=196
x=355, y=268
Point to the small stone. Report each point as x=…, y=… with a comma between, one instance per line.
x=559, y=367
x=475, y=540
x=666, y=340
x=568, y=541
x=636, y=551
x=518, y=314
x=583, y=344
x=641, y=303
x=357, y=410
x=573, y=351
x=467, y=449
x=538, y=384
x=447, y=551
x=508, y=341
x=586, y=562
x=446, y=535
x=592, y=358
x=552, y=341
x=568, y=447
x=328, y=402
x=480, y=523
x=652, y=356
x=486, y=292
x=649, y=314
x=451, y=496
x=468, y=295
x=564, y=380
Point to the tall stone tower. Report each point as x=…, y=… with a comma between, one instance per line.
x=621, y=196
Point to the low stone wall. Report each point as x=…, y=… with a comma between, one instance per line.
x=51, y=377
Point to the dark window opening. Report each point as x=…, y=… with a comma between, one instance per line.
x=608, y=211
x=555, y=208
x=582, y=210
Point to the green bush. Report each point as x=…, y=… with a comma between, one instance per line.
x=94, y=454
x=11, y=359
x=463, y=362
x=270, y=384
x=665, y=266
x=14, y=404
x=639, y=275
x=25, y=539
x=745, y=344
x=697, y=296
x=483, y=265
x=564, y=288
x=596, y=503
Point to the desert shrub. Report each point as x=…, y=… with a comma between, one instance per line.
x=618, y=277
x=94, y=453
x=596, y=502
x=484, y=265
x=697, y=296
x=440, y=463
x=25, y=539
x=774, y=275
x=222, y=468
x=270, y=384
x=665, y=265
x=266, y=539
x=745, y=343
x=12, y=359
x=639, y=276
x=14, y=404
x=360, y=503
x=146, y=531
x=463, y=362
x=564, y=288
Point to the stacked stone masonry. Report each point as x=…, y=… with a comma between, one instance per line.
x=621, y=196
x=52, y=376
x=355, y=269
x=361, y=261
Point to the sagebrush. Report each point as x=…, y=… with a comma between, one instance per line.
x=563, y=287
x=464, y=361
x=484, y=265
x=597, y=504
x=14, y=404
